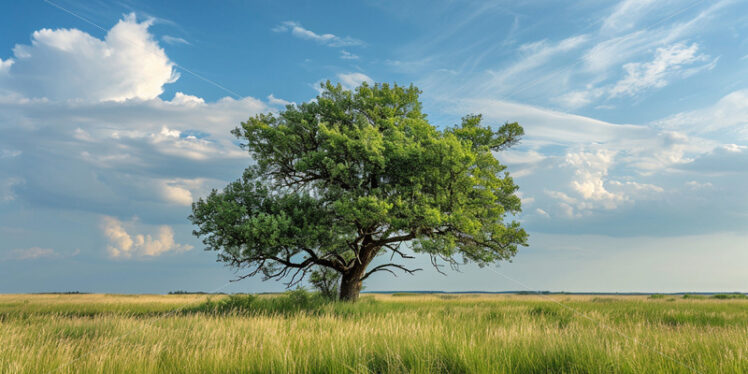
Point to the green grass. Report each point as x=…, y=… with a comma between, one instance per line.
x=300, y=332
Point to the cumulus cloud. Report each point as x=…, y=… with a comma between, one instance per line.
x=186, y=100
x=591, y=171
x=122, y=244
x=353, y=80
x=5, y=66
x=64, y=64
x=92, y=152
x=176, y=194
x=297, y=30
x=593, y=188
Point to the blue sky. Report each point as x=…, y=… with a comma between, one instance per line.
x=115, y=116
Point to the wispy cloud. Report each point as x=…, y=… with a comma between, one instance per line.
x=36, y=253
x=626, y=15
x=345, y=55
x=668, y=62
x=168, y=39
x=729, y=115
x=277, y=101
x=331, y=40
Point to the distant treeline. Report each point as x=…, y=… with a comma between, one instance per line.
x=180, y=292
x=62, y=293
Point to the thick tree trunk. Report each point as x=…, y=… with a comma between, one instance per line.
x=350, y=284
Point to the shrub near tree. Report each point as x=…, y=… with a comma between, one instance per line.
x=352, y=175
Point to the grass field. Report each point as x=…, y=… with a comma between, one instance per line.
x=382, y=333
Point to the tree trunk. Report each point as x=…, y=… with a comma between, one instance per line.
x=350, y=284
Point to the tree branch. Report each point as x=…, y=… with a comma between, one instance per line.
x=384, y=268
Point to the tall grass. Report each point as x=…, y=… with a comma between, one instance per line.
x=299, y=332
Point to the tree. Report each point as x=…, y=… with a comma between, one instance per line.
x=350, y=176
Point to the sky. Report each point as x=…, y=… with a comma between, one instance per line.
x=116, y=116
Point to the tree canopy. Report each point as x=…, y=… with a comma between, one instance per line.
x=351, y=175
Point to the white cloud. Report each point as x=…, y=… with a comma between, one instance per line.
x=345, y=55
x=120, y=158
x=331, y=40
x=124, y=245
x=186, y=100
x=667, y=63
x=578, y=99
x=542, y=213
x=9, y=153
x=591, y=171
x=32, y=253
x=545, y=126
x=5, y=65
x=533, y=56
x=168, y=39
x=177, y=194
x=276, y=101
x=6, y=188
x=612, y=51
x=353, y=80
x=694, y=185
x=67, y=64
x=729, y=115
x=626, y=15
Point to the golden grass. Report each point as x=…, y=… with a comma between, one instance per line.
x=383, y=333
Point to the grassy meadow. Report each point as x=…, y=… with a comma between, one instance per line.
x=299, y=332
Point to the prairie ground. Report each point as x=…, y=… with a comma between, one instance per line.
x=299, y=332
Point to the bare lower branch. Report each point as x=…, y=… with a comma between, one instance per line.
x=436, y=265
x=384, y=268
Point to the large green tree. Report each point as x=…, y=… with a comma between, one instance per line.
x=349, y=176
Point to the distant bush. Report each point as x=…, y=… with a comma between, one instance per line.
x=656, y=296
x=181, y=292
x=695, y=297
x=603, y=300
x=725, y=296
x=288, y=303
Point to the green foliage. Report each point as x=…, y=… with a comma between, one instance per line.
x=289, y=303
x=325, y=280
x=728, y=296
x=656, y=296
x=695, y=297
x=352, y=175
